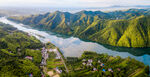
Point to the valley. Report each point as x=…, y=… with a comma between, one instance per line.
x=74, y=38
x=74, y=50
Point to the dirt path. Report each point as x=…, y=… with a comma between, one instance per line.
x=52, y=74
x=56, y=75
x=64, y=64
x=62, y=61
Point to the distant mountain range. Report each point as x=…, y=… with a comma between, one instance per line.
x=131, y=6
x=130, y=28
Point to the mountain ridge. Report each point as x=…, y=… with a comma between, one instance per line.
x=128, y=28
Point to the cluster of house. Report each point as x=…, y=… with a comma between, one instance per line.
x=89, y=63
x=58, y=70
x=44, y=53
x=44, y=56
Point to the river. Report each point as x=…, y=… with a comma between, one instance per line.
x=72, y=46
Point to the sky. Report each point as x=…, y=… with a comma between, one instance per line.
x=72, y=3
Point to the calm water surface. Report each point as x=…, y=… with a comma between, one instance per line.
x=72, y=46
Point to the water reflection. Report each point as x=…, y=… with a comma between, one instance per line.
x=133, y=51
x=72, y=46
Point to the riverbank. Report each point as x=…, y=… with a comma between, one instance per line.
x=74, y=46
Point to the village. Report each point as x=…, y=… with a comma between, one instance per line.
x=52, y=62
x=89, y=63
x=45, y=55
x=92, y=64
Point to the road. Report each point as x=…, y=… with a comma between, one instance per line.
x=58, y=53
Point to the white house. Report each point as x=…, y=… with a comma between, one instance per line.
x=29, y=57
x=59, y=71
x=90, y=60
x=52, y=50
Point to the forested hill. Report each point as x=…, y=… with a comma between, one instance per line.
x=130, y=28
x=16, y=49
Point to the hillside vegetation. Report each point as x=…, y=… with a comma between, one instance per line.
x=15, y=46
x=128, y=28
x=91, y=64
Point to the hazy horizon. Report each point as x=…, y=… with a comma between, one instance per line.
x=9, y=11
x=23, y=7
x=72, y=3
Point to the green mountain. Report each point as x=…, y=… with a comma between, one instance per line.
x=126, y=33
x=128, y=28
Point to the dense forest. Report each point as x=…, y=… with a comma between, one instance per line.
x=91, y=64
x=19, y=53
x=129, y=28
